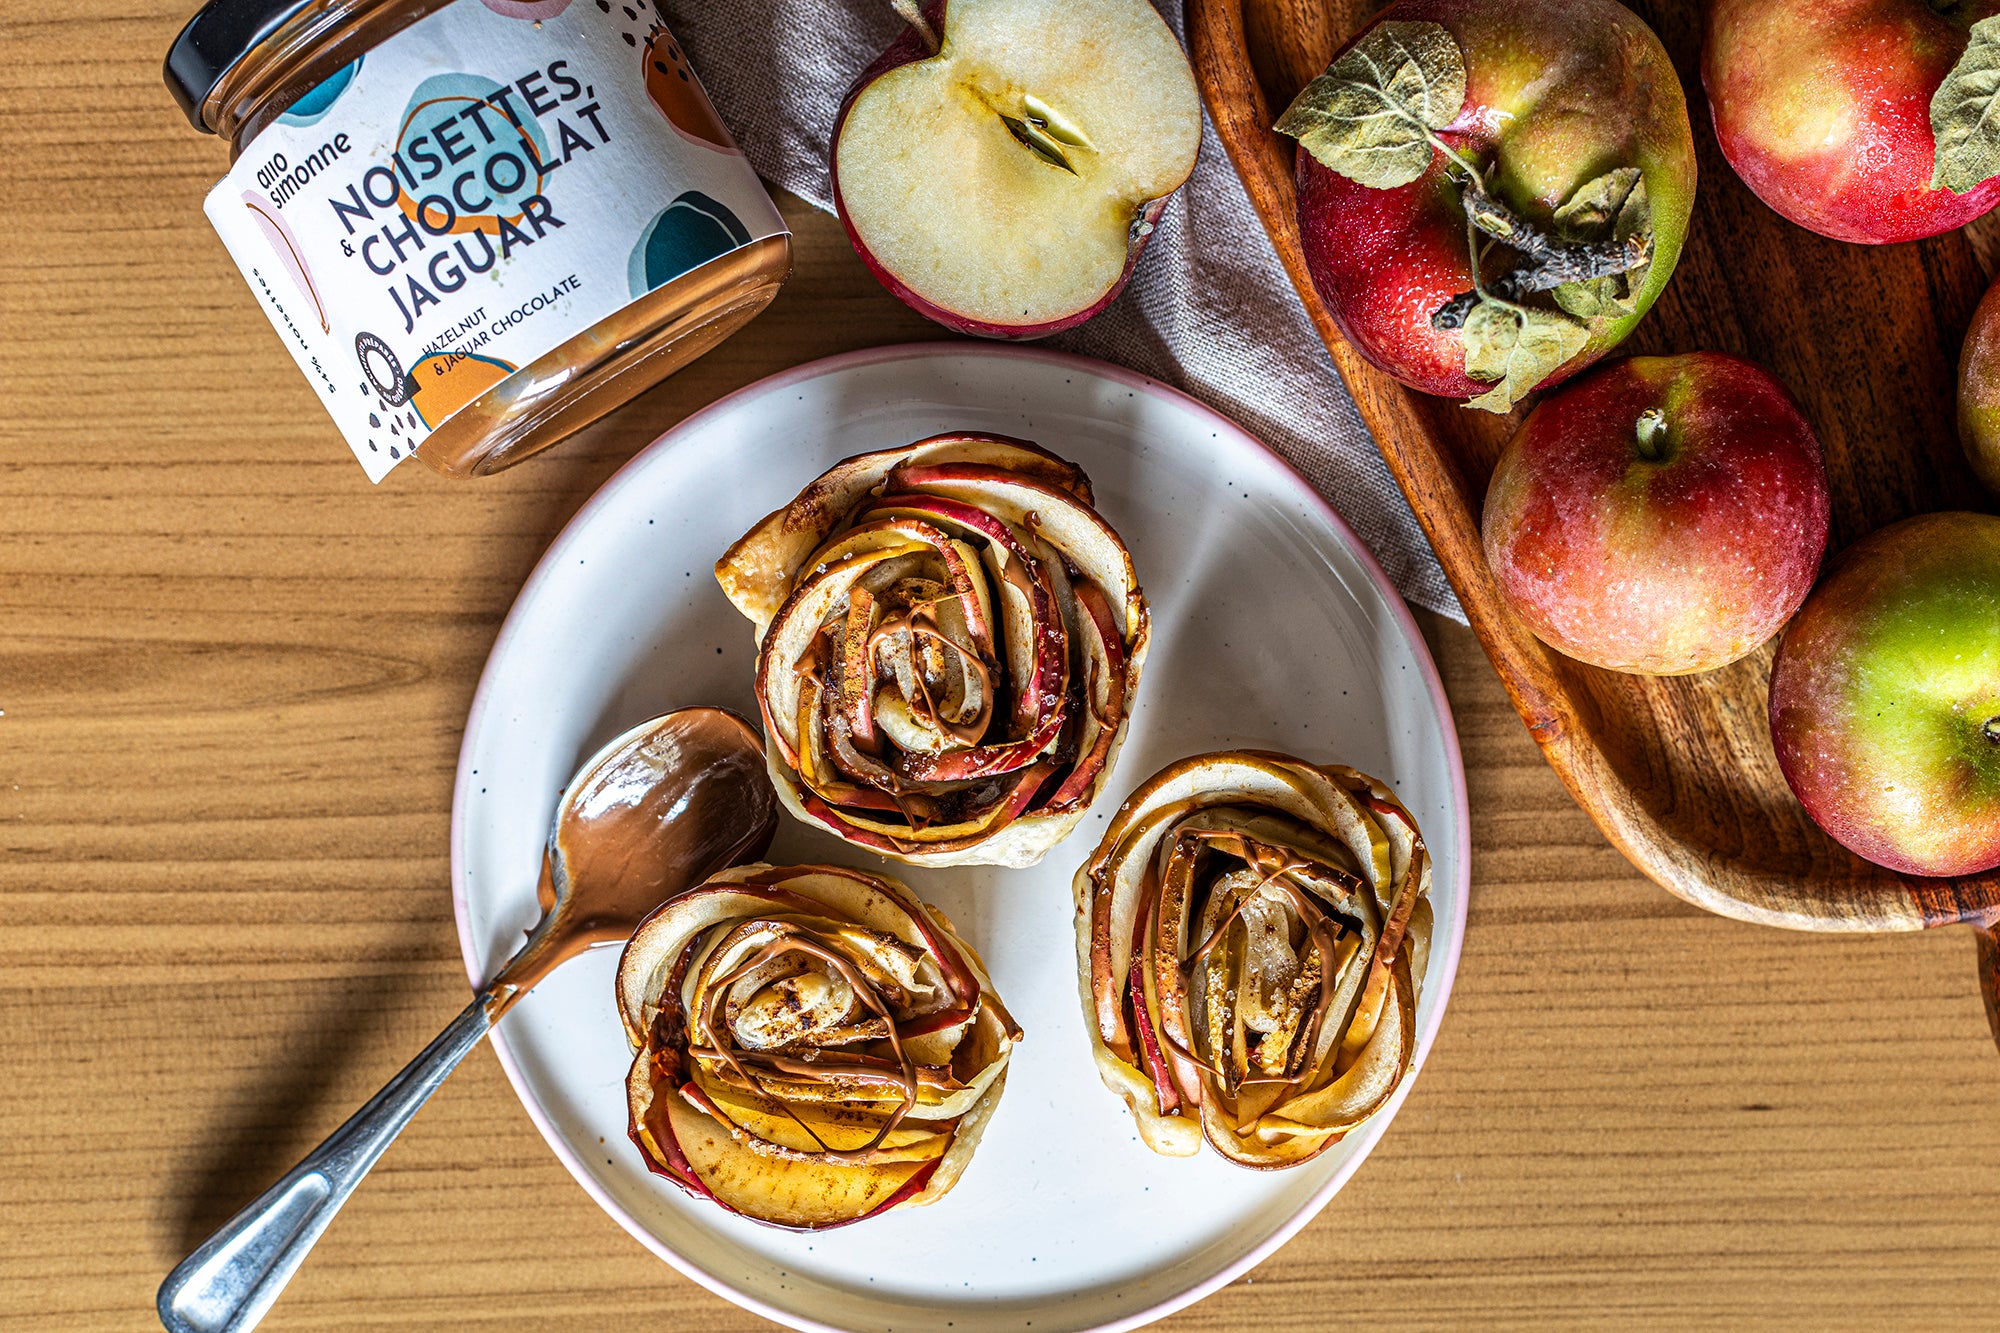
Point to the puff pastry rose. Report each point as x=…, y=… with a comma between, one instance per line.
x=950, y=640
x=815, y=1045
x=1251, y=939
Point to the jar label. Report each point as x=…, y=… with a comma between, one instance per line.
x=472, y=193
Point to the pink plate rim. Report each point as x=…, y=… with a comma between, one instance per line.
x=1446, y=966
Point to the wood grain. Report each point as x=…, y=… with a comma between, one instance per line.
x=232, y=682
x=1678, y=773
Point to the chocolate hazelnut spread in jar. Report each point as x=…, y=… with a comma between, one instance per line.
x=477, y=225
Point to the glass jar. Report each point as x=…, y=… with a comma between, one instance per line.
x=478, y=225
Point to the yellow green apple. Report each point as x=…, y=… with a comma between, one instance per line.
x=1885, y=697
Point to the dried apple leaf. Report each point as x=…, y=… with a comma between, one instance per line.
x=1965, y=114
x=1371, y=116
x=1614, y=207
x=1519, y=346
x=1598, y=203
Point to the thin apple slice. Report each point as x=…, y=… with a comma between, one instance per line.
x=817, y=1130
x=1007, y=180
x=757, y=572
x=1148, y=1047
x=902, y=838
x=1104, y=678
x=1076, y=530
x=656, y=946
x=1037, y=640
x=804, y=1195
x=798, y=624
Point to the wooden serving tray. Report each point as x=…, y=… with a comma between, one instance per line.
x=1679, y=773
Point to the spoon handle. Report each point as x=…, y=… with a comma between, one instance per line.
x=229, y=1283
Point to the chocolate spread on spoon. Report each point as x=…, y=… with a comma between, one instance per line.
x=658, y=811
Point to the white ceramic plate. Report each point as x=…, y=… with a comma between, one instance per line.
x=1272, y=627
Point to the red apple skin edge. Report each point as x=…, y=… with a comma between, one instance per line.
x=1149, y=218
x=1885, y=697
x=1823, y=107
x=1662, y=566
x=1979, y=391
x=908, y=47
x=1562, y=91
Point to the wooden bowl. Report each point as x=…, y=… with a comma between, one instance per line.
x=1679, y=773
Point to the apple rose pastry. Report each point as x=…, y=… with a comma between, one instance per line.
x=1251, y=939
x=815, y=1045
x=950, y=641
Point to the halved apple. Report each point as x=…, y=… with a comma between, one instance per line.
x=1003, y=163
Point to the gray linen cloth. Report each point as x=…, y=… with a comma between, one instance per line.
x=1209, y=310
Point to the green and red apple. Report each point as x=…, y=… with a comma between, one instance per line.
x=1493, y=192
x=1660, y=515
x=1002, y=165
x=1885, y=697
x=1837, y=113
x=1979, y=391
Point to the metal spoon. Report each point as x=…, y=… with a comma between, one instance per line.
x=657, y=810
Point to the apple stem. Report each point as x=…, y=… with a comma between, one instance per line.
x=1556, y=262
x=1479, y=291
x=1467, y=167
x=1651, y=430
x=912, y=13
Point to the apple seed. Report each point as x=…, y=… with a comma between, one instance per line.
x=1057, y=125
x=1037, y=141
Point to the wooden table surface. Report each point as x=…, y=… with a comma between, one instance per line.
x=232, y=681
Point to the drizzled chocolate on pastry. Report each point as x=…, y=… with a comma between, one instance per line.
x=950, y=640
x=814, y=1044
x=1251, y=940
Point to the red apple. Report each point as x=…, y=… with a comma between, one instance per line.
x=1979, y=391
x=1003, y=163
x=1825, y=109
x=1885, y=697
x=1664, y=514
x=1557, y=128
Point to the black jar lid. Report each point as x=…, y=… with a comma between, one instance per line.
x=212, y=43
